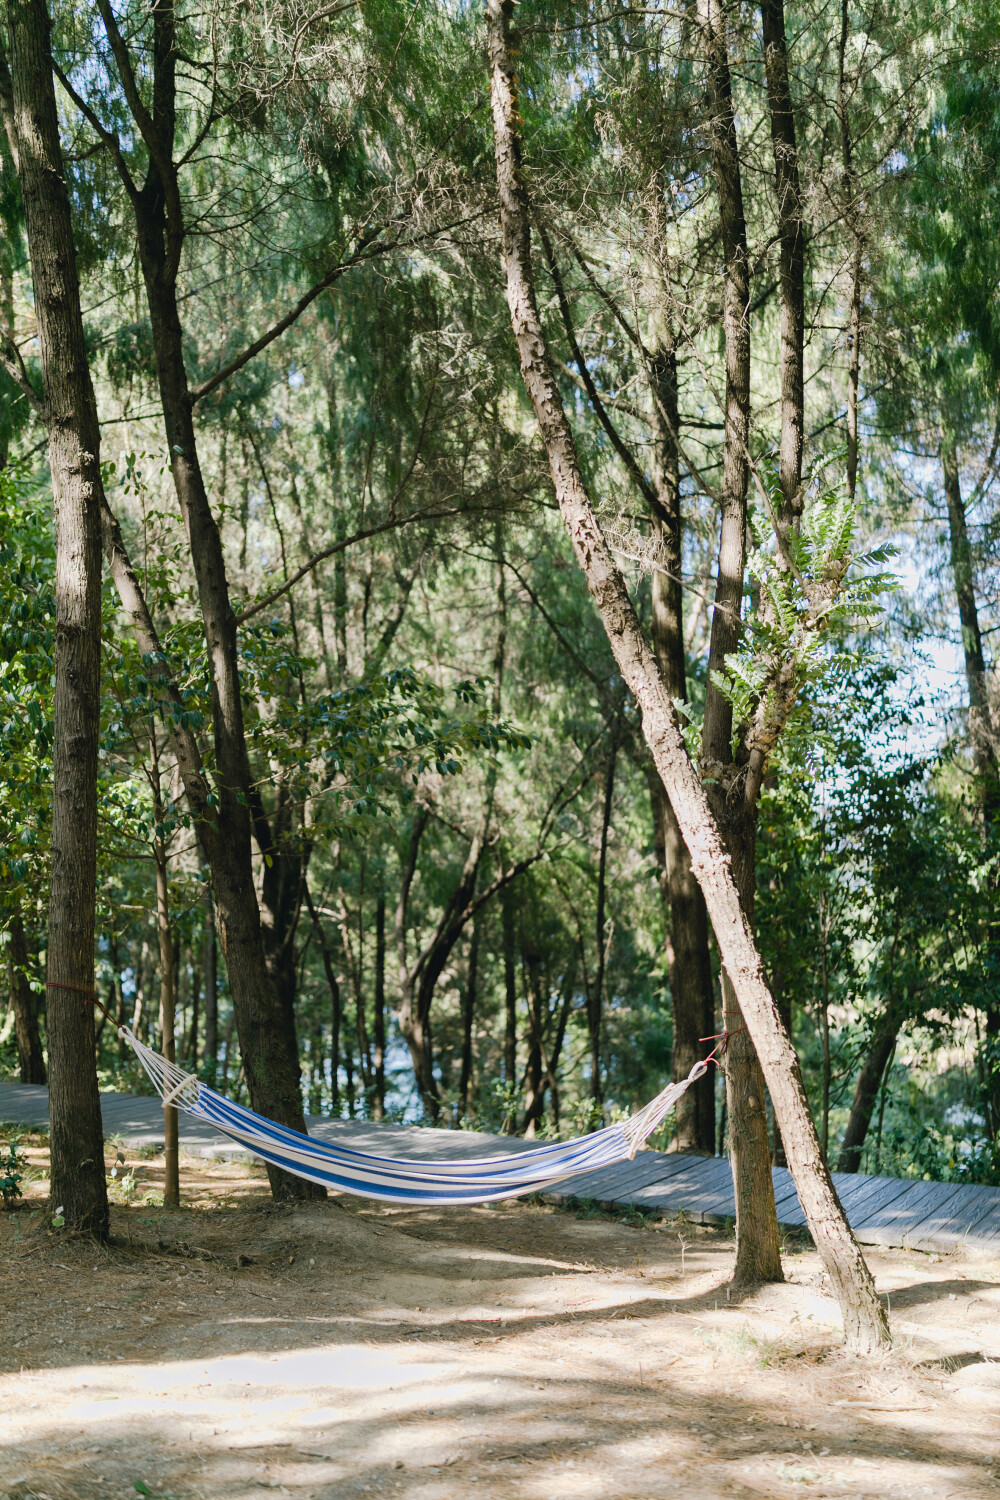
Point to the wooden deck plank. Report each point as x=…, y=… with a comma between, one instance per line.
x=876, y=1193
x=935, y=1215
x=891, y=1224
x=956, y=1219
x=609, y=1184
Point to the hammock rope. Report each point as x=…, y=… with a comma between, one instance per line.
x=401, y=1180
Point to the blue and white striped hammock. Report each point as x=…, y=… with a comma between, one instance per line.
x=484, y=1180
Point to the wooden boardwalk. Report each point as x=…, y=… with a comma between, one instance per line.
x=933, y=1216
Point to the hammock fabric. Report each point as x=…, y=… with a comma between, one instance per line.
x=484, y=1180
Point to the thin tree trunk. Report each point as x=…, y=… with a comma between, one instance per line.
x=210, y=969
x=866, y=1089
x=336, y=1009
x=691, y=991
x=595, y=999
x=758, y=1243
x=852, y=216
x=535, y=1079
x=168, y=989
x=865, y=1322
x=379, y=1056
x=468, y=1023
x=791, y=239
x=510, y=1005
x=824, y=1138
x=980, y=726
x=980, y=723
x=69, y=411
x=30, y=1058
x=192, y=1041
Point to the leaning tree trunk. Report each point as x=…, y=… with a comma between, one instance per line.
x=69, y=411
x=758, y=1243
x=866, y=1089
x=30, y=1058
x=865, y=1322
x=268, y=1070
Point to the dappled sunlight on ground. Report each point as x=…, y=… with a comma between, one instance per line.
x=518, y=1353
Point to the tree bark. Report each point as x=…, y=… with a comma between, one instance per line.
x=336, y=1009
x=280, y=901
x=852, y=215
x=865, y=1322
x=883, y=1044
x=758, y=1243
x=510, y=1004
x=691, y=990
x=69, y=411
x=210, y=971
x=595, y=998
x=468, y=1024
x=168, y=987
x=192, y=1042
x=379, y=1053
x=791, y=240
x=981, y=732
x=30, y=1058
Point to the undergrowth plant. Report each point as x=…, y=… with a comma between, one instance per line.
x=12, y=1170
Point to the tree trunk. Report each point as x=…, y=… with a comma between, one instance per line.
x=866, y=1089
x=280, y=902
x=865, y=1322
x=30, y=1058
x=468, y=1023
x=853, y=221
x=535, y=1076
x=191, y=1049
x=758, y=1243
x=691, y=990
x=791, y=239
x=595, y=999
x=980, y=726
x=379, y=1055
x=980, y=722
x=69, y=410
x=168, y=984
x=336, y=1013
x=210, y=970
x=510, y=1005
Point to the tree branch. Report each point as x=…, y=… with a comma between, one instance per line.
x=363, y=255
x=617, y=442
x=109, y=138
x=349, y=541
x=11, y=361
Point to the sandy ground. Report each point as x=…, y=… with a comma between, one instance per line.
x=519, y=1353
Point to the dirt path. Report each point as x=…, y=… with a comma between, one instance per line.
x=517, y=1353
